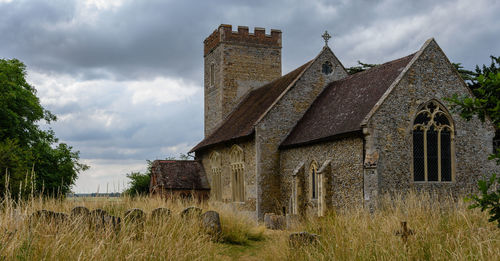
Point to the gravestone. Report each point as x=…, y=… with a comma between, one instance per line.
x=211, y=223
x=160, y=213
x=275, y=222
x=299, y=239
x=191, y=212
x=134, y=215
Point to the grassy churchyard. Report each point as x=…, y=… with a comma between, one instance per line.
x=435, y=231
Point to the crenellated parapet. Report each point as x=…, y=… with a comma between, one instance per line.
x=225, y=34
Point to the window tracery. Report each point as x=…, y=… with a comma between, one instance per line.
x=433, y=147
x=237, y=174
x=216, y=164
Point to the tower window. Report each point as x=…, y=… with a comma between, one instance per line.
x=212, y=74
x=327, y=68
x=433, y=135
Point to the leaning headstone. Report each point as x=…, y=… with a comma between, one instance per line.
x=43, y=215
x=275, y=222
x=211, y=223
x=191, y=212
x=60, y=217
x=299, y=239
x=160, y=213
x=97, y=217
x=134, y=215
x=112, y=222
x=79, y=212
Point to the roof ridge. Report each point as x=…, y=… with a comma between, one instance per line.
x=372, y=84
x=252, y=94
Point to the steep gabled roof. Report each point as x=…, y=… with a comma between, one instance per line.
x=241, y=121
x=343, y=104
x=178, y=174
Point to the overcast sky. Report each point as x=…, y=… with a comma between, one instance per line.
x=125, y=77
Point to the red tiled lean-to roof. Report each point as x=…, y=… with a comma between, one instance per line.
x=178, y=174
x=240, y=122
x=343, y=104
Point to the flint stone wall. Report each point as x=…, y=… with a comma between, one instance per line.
x=278, y=123
x=249, y=171
x=242, y=62
x=390, y=129
x=343, y=180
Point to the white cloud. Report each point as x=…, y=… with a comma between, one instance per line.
x=107, y=174
x=160, y=90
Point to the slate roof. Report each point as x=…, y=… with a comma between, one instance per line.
x=179, y=174
x=241, y=121
x=343, y=104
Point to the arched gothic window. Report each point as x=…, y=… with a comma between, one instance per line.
x=237, y=174
x=215, y=165
x=313, y=178
x=433, y=148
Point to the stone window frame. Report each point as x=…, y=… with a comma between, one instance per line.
x=441, y=109
x=327, y=68
x=313, y=180
x=295, y=189
x=216, y=170
x=212, y=74
x=237, y=164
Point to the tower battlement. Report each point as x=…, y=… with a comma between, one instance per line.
x=225, y=34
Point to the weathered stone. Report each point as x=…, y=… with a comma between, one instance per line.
x=299, y=239
x=97, y=218
x=134, y=215
x=292, y=221
x=160, y=213
x=112, y=222
x=98, y=212
x=191, y=212
x=80, y=212
x=275, y=222
x=47, y=216
x=211, y=223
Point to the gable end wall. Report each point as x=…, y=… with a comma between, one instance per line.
x=390, y=129
x=277, y=124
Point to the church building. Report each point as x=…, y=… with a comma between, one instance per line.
x=318, y=138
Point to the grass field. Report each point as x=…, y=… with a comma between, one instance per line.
x=441, y=231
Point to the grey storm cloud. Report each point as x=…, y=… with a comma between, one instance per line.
x=125, y=77
x=142, y=39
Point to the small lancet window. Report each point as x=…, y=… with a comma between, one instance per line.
x=327, y=68
x=433, y=135
x=313, y=174
x=212, y=74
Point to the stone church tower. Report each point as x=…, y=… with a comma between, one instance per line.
x=236, y=63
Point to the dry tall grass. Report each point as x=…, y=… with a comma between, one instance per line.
x=443, y=230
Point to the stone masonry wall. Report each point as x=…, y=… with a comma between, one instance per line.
x=344, y=186
x=390, y=129
x=213, y=93
x=250, y=180
x=243, y=61
x=279, y=121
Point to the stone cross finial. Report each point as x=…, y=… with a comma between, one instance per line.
x=326, y=37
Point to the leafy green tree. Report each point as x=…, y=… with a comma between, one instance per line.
x=139, y=182
x=360, y=68
x=485, y=103
x=31, y=159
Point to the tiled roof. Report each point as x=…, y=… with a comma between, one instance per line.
x=343, y=104
x=178, y=174
x=240, y=122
